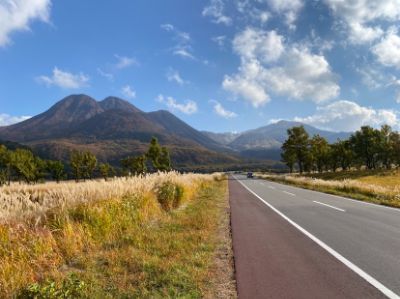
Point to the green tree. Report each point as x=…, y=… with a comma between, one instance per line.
x=83, y=164
x=5, y=165
x=297, y=145
x=134, y=165
x=106, y=170
x=320, y=151
x=154, y=153
x=289, y=158
x=164, y=160
x=76, y=163
x=89, y=164
x=386, y=154
x=366, y=145
x=25, y=165
x=342, y=153
x=56, y=170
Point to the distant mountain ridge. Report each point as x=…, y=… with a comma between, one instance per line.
x=112, y=128
x=265, y=142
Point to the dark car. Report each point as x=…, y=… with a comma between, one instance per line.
x=250, y=175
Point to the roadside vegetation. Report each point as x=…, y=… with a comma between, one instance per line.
x=153, y=236
x=21, y=165
x=364, y=167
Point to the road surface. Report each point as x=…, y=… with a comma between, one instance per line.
x=290, y=242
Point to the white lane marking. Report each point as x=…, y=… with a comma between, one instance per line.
x=332, y=207
x=340, y=197
x=288, y=193
x=262, y=183
x=386, y=291
x=271, y=187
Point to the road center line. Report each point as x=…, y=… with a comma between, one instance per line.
x=288, y=193
x=332, y=207
x=271, y=187
x=386, y=291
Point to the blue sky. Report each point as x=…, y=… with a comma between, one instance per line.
x=219, y=65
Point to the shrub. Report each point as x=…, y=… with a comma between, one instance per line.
x=169, y=195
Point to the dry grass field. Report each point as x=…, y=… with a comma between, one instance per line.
x=142, y=237
x=381, y=187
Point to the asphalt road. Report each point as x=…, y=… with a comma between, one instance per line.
x=290, y=242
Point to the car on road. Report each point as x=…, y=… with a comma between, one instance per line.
x=250, y=175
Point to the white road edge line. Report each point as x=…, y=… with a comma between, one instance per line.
x=332, y=207
x=387, y=292
x=291, y=194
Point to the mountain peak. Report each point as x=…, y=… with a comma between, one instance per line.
x=111, y=102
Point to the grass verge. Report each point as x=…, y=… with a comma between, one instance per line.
x=352, y=188
x=119, y=248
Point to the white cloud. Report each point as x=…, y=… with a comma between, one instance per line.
x=128, y=92
x=65, y=79
x=215, y=10
x=361, y=16
x=189, y=107
x=219, y=40
x=372, y=77
x=124, y=62
x=270, y=66
x=288, y=8
x=106, y=75
x=16, y=15
x=387, y=50
x=265, y=45
x=221, y=111
x=248, y=84
x=349, y=116
x=174, y=76
x=183, y=40
x=6, y=119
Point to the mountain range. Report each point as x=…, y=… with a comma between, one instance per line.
x=114, y=128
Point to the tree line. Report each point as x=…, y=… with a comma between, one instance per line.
x=22, y=165
x=366, y=148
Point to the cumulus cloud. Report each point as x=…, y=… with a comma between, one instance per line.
x=270, y=66
x=174, y=76
x=288, y=8
x=6, y=119
x=360, y=17
x=128, y=92
x=253, y=44
x=124, y=62
x=16, y=15
x=387, y=50
x=65, y=79
x=221, y=111
x=215, y=10
x=190, y=107
x=349, y=116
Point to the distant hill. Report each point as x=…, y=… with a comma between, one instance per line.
x=273, y=135
x=265, y=142
x=222, y=138
x=112, y=129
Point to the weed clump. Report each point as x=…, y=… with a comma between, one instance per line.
x=170, y=195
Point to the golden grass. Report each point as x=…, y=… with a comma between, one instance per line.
x=22, y=201
x=110, y=239
x=380, y=189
